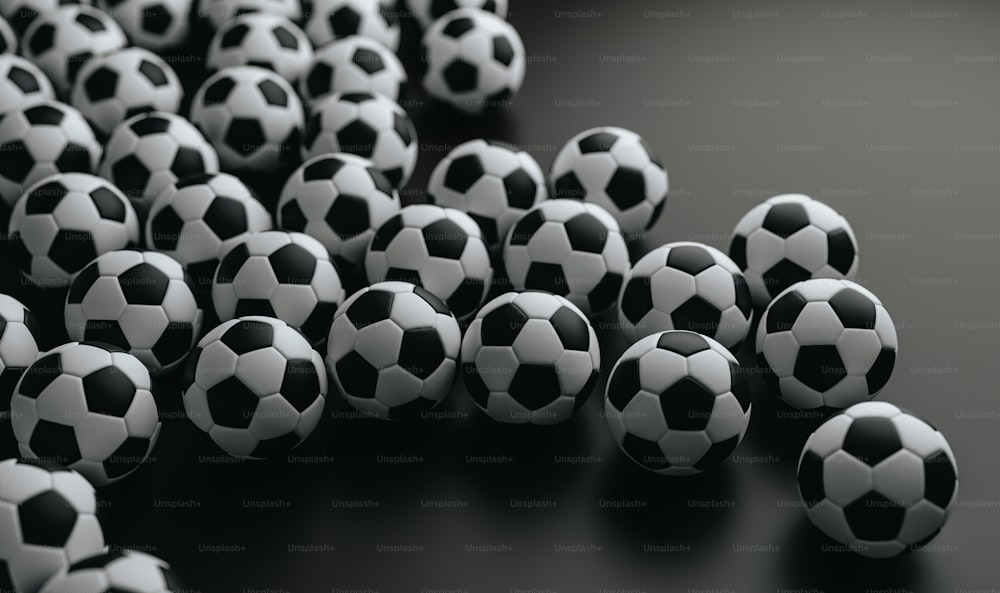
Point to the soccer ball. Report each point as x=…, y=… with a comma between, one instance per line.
x=426, y=12
x=256, y=386
x=335, y=19
x=370, y=126
x=826, y=343
x=49, y=522
x=284, y=275
x=393, y=350
x=339, y=200
x=88, y=407
x=473, y=60
x=570, y=248
x=252, y=117
x=21, y=13
x=686, y=285
x=61, y=41
x=878, y=480
x=492, y=182
x=353, y=64
x=615, y=169
x=41, y=140
x=790, y=238
x=440, y=249
x=65, y=221
x=8, y=39
x=261, y=39
x=116, y=86
x=198, y=219
x=677, y=403
x=150, y=152
x=122, y=571
x=22, y=84
x=530, y=357
x=158, y=25
x=19, y=333
x=219, y=12
x=137, y=301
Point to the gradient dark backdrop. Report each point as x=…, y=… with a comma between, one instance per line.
x=886, y=113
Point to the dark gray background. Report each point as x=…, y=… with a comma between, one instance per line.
x=887, y=113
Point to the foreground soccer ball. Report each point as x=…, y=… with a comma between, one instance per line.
x=393, y=350
x=137, y=301
x=686, y=285
x=88, y=407
x=22, y=84
x=473, y=60
x=878, y=480
x=492, y=182
x=530, y=357
x=440, y=249
x=615, y=169
x=219, y=12
x=427, y=11
x=677, y=403
x=41, y=140
x=19, y=333
x=366, y=125
x=336, y=19
x=256, y=386
x=252, y=117
x=570, y=248
x=157, y=25
x=826, y=343
x=261, y=39
x=123, y=571
x=790, y=238
x=49, y=522
x=339, y=200
x=65, y=221
x=353, y=64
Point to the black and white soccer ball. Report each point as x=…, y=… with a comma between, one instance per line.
x=331, y=20
x=158, y=25
x=8, y=38
x=116, y=86
x=196, y=221
x=284, y=275
x=615, y=169
x=41, y=140
x=22, y=84
x=261, y=39
x=492, y=182
x=339, y=200
x=473, y=60
x=826, y=343
x=790, y=238
x=219, y=12
x=878, y=480
x=21, y=13
x=426, y=12
x=368, y=125
x=252, y=117
x=65, y=221
x=570, y=248
x=353, y=64
x=121, y=571
x=440, y=249
x=61, y=41
x=87, y=406
x=256, y=386
x=50, y=522
x=530, y=357
x=686, y=285
x=393, y=350
x=150, y=152
x=137, y=301
x=677, y=403
x=19, y=335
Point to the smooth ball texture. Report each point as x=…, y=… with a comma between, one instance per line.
x=21, y=13
x=530, y=357
x=123, y=571
x=8, y=38
x=219, y=12
x=157, y=25
x=878, y=480
x=677, y=403
x=261, y=39
x=353, y=64
x=826, y=343
x=256, y=386
x=19, y=334
x=426, y=12
x=331, y=20
x=22, y=84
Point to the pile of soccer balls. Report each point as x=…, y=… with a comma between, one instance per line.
x=143, y=217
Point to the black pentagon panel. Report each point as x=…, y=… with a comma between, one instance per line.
x=234, y=36
x=770, y=378
x=782, y=275
x=744, y=298
x=245, y=135
x=231, y=263
x=292, y=217
x=348, y=216
x=357, y=138
x=271, y=448
x=187, y=161
x=697, y=315
x=503, y=51
x=8, y=380
x=872, y=439
x=318, y=79
x=717, y=452
x=44, y=115
x=90, y=22
x=421, y=352
x=300, y=386
x=174, y=343
x=202, y=179
x=130, y=175
x=626, y=188
x=840, y=251
x=273, y=93
x=784, y=312
x=881, y=370
x=324, y=168
x=521, y=189
x=385, y=181
x=109, y=391
x=55, y=442
x=581, y=396
x=461, y=76
x=144, y=284
x=690, y=258
x=285, y=38
x=156, y=19
x=108, y=204
x=218, y=91
x=6, y=581
x=572, y=330
x=106, y=332
x=40, y=374
x=231, y=403
x=466, y=297
x=17, y=161
x=344, y=21
x=568, y=186
x=227, y=217
x=153, y=73
x=444, y=238
x=45, y=198
x=99, y=561
x=526, y=227
x=261, y=307
x=370, y=308
x=403, y=275
x=74, y=159
x=738, y=250
x=819, y=367
x=431, y=299
x=369, y=61
x=150, y=125
x=683, y=343
x=637, y=299
x=386, y=233
x=687, y=404
x=786, y=219
x=248, y=335
x=72, y=250
x=810, y=478
x=75, y=62
x=644, y=452
x=605, y=292
x=597, y=142
x=939, y=479
x=586, y=233
x=501, y=326
x=23, y=80
x=137, y=109
x=874, y=517
x=439, y=8
x=458, y=27
x=357, y=97
x=316, y=327
x=624, y=383
x=474, y=384
x=101, y=84
x=42, y=39
x=401, y=125
x=357, y=376
x=463, y=172
x=854, y=309
x=125, y=457
x=739, y=384
x=535, y=386
x=547, y=277
x=47, y=519
x=166, y=227
x=487, y=226
x=293, y=264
